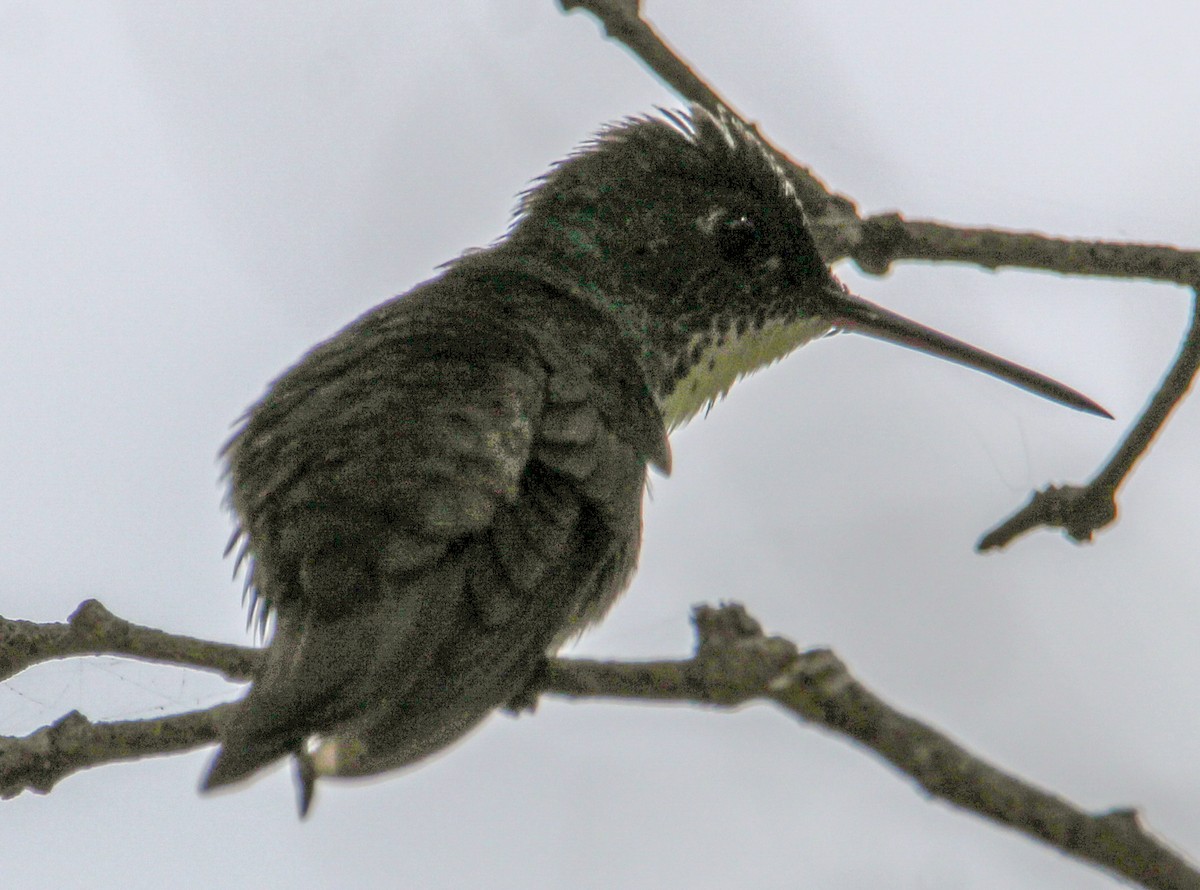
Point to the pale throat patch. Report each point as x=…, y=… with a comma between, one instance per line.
x=721, y=366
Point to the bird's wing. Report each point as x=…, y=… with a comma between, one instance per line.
x=357, y=478
x=550, y=561
x=432, y=499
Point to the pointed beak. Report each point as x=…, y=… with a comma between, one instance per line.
x=848, y=312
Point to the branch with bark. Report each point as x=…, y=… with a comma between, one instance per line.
x=734, y=664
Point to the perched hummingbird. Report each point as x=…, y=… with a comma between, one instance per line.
x=448, y=489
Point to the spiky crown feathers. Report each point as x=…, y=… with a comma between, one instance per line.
x=692, y=144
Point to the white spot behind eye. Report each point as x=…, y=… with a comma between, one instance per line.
x=708, y=223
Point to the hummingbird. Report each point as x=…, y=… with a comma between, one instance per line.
x=438, y=497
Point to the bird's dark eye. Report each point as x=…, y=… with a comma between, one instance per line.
x=735, y=236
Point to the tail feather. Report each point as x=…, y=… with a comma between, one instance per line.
x=294, y=695
x=239, y=757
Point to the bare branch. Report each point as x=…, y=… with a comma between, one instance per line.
x=889, y=237
x=623, y=22
x=1082, y=510
x=93, y=630
x=38, y=761
x=41, y=759
x=734, y=664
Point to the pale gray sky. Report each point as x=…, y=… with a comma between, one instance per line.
x=195, y=193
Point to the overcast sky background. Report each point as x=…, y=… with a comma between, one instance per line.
x=193, y=194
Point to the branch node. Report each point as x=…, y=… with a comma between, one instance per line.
x=881, y=239
x=723, y=625
x=90, y=616
x=1079, y=510
x=1127, y=817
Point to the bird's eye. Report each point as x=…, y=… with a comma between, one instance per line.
x=735, y=236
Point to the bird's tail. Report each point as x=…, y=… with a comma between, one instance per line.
x=240, y=756
x=304, y=686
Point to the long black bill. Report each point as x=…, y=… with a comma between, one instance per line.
x=848, y=312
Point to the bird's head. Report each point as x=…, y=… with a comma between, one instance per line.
x=689, y=229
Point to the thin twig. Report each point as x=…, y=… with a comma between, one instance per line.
x=889, y=237
x=623, y=22
x=734, y=663
x=1081, y=510
x=40, y=760
x=93, y=630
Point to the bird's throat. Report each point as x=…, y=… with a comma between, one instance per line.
x=720, y=359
